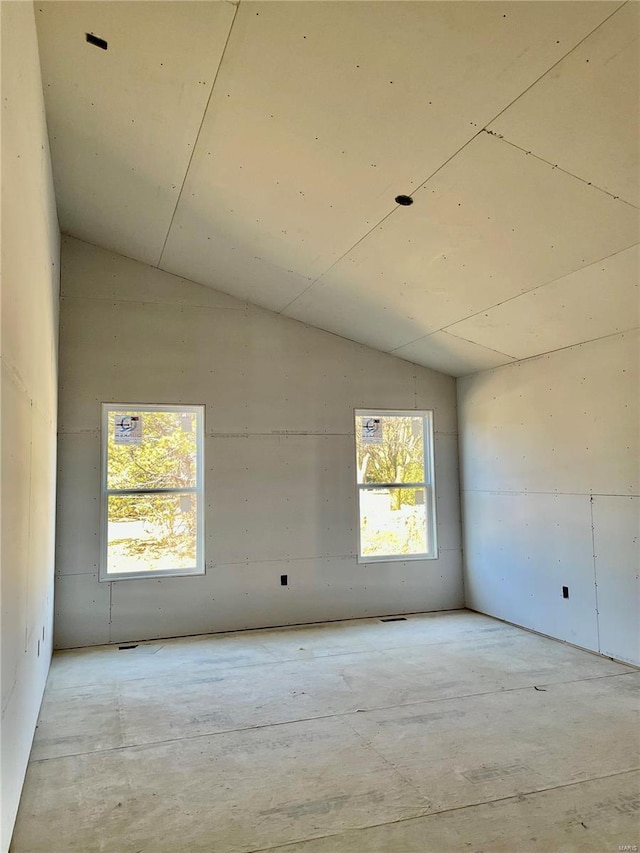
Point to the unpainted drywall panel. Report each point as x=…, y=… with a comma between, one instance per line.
x=491, y=224
x=318, y=589
x=565, y=422
x=250, y=480
x=82, y=607
x=199, y=252
x=597, y=300
x=120, y=149
x=583, y=114
x=435, y=392
x=16, y=476
x=616, y=533
x=79, y=496
x=91, y=272
x=447, y=492
x=367, y=589
x=42, y=496
x=392, y=383
x=255, y=371
x=520, y=550
x=30, y=284
x=286, y=377
x=279, y=456
x=451, y=354
x=19, y=719
x=165, y=607
x=276, y=497
x=30, y=237
x=324, y=88
x=112, y=354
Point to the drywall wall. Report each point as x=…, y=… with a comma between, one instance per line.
x=30, y=274
x=551, y=479
x=280, y=479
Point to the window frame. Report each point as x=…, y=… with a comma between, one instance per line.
x=429, y=484
x=198, y=490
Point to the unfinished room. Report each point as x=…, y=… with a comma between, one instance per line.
x=320, y=426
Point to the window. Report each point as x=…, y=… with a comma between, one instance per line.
x=396, y=500
x=152, y=491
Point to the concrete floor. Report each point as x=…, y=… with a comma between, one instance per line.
x=420, y=736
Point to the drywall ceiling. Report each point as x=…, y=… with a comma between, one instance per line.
x=258, y=147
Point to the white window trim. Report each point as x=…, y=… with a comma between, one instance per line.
x=429, y=484
x=198, y=490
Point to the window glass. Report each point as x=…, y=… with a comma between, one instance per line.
x=396, y=501
x=151, y=450
x=152, y=491
x=390, y=449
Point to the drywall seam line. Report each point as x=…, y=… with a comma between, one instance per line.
x=595, y=576
x=379, y=223
x=180, y=278
x=211, y=565
x=195, y=144
x=466, y=340
x=462, y=510
x=110, y=608
x=517, y=296
x=552, y=494
x=253, y=305
x=29, y=530
x=555, y=64
x=614, y=495
x=560, y=169
x=251, y=562
x=166, y=303
x=442, y=165
x=331, y=266
x=527, y=358
x=16, y=377
x=516, y=798
x=336, y=715
x=540, y=286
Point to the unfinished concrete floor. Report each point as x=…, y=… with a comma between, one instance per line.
x=444, y=732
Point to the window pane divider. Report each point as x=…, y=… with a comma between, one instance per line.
x=392, y=485
x=158, y=491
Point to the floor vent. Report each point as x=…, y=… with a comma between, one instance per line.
x=394, y=619
x=133, y=646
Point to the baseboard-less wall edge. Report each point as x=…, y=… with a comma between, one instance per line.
x=556, y=639
x=384, y=615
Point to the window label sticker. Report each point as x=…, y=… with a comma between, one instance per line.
x=128, y=429
x=372, y=431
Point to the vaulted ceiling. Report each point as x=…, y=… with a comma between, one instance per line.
x=258, y=147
